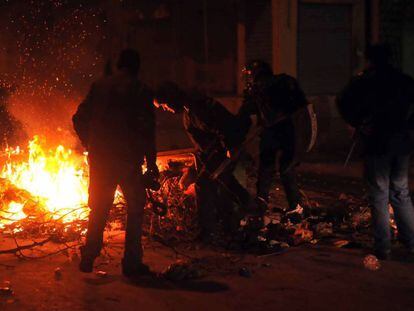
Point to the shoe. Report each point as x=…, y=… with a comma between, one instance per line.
x=136, y=269
x=383, y=254
x=86, y=265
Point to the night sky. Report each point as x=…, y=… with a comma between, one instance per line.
x=51, y=51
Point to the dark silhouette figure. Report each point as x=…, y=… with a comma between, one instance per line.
x=379, y=104
x=273, y=98
x=214, y=131
x=116, y=124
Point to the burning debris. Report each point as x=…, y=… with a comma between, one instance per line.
x=44, y=192
x=44, y=197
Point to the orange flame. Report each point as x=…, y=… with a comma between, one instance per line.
x=52, y=181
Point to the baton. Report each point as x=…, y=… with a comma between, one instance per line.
x=351, y=151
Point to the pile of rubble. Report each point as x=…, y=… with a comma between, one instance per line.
x=345, y=224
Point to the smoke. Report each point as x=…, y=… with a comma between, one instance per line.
x=52, y=50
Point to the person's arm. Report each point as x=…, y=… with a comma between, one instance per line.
x=82, y=118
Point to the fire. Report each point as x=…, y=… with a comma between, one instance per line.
x=49, y=183
x=43, y=184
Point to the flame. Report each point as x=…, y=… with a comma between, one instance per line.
x=50, y=182
x=44, y=184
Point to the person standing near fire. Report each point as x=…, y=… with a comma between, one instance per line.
x=273, y=99
x=379, y=105
x=215, y=133
x=116, y=125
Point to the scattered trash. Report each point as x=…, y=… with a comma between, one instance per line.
x=101, y=274
x=324, y=229
x=58, y=274
x=284, y=245
x=302, y=234
x=372, y=263
x=341, y=243
x=274, y=242
x=343, y=197
x=6, y=290
x=245, y=272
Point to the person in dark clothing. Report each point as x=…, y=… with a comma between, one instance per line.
x=116, y=125
x=379, y=104
x=215, y=132
x=273, y=98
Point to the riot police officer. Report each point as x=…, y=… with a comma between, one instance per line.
x=274, y=99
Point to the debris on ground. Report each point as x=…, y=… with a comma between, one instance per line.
x=341, y=243
x=372, y=263
x=245, y=272
x=330, y=218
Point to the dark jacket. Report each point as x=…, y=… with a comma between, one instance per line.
x=272, y=99
x=210, y=125
x=380, y=103
x=116, y=120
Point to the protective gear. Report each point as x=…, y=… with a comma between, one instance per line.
x=274, y=99
x=274, y=141
x=255, y=70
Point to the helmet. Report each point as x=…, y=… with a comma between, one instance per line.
x=256, y=69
